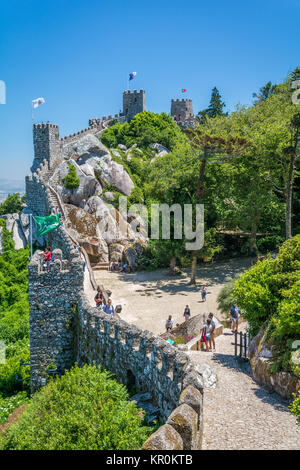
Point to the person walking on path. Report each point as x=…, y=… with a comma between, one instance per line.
x=109, y=309
x=99, y=298
x=234, y=314
x=169, y=323
x=187, y=313
x=205, y=334
x=212, y=328
x=203, y=293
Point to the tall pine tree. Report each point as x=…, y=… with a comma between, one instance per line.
x=215, y=108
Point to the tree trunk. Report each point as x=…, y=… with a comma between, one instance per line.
x=172, y=265
x=289, y=194
x=199, y=193
x=253, y=245
x=194, y=268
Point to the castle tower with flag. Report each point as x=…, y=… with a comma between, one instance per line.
x=133, y=103
x=182, y=110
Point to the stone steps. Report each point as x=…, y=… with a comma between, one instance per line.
x=102, y=266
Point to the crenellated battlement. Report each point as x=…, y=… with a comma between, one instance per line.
x=187, y=100
x=43, y=125
x=182, y=110
x=133, y=103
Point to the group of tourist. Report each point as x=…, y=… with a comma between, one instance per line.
x=208, y=329
x=118, y=267
x=101, y=303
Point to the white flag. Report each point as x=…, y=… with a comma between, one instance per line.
x=36, y=103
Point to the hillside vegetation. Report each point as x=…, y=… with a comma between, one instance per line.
x=84, y=409
x=14, y=324
x=241, y=166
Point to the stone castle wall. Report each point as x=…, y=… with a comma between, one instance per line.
x=133, y=103
x=65, y=329
x=182, y=109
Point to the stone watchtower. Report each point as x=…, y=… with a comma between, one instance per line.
x=133, y=103
x=182, y=110
x=46, y=144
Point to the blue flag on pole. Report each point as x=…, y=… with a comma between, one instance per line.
x=132, y=75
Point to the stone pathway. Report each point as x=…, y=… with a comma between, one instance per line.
x=238, y=413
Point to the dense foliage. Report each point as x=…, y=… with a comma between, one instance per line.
x=14, y=324
x=269, y=293
x=295, y=408
x=84, y=409
x=241, y=166
x=144, y=129
x=71, y=180
x=12, y=204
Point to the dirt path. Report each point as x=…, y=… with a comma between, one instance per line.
x=148, y=298
x=238, y=413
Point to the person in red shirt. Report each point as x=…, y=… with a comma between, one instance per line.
x=48, y=257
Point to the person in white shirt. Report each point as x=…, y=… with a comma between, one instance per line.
x=212, y=328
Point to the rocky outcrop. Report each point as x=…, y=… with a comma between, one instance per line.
x=89, y=144
x=260, y=353
x=88, y=185
x=114, y=174
x=13, y=224
x=159, y=149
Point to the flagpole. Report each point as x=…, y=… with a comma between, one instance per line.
x=32, y=112
x=30, y=215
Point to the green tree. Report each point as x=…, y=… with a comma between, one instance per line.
x=84, y=409
x=215, y=108
x=264, y=92
x=12, y=204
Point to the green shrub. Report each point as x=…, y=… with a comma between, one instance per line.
x=14, y=316
x=84, y=409
x=226, y=298
x=269, y=293
x=9, y=404
x=295, y=408
x=71, y=180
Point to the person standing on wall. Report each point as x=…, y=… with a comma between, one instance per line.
x=109, y=309
x=99, y=298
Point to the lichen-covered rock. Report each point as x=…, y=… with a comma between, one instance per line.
x=88, y=185
x=115, y=174
x=165, y=438
x=207, y=374
x=115, y=251
x=284, y=383
x=89, y=144
x=13, y=225
x=185, y=421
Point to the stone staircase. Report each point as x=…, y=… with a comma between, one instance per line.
x=101, y=266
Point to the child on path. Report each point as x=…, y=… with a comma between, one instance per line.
x=169, y=323
x=187, y=313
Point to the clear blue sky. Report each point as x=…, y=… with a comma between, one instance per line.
x=77, y=54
